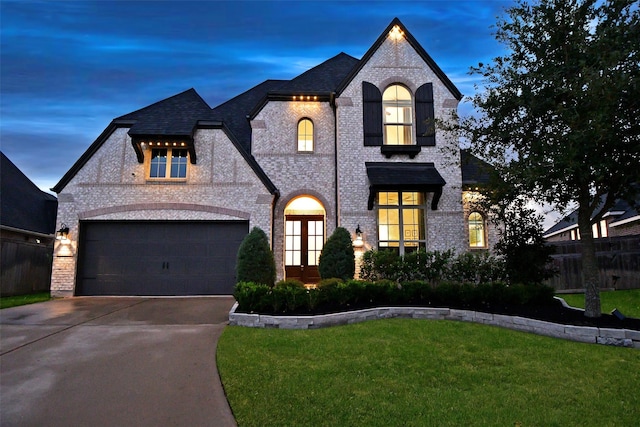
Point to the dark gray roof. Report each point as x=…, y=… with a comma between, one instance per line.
x=23, y=205
x=474, y=170
x=621, y=210
x=234, y=113
x=385, y=176
x=324, y=77
x=174, y=116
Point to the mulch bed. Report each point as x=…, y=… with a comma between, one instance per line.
x=557, y=313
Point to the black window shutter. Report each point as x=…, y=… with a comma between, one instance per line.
x=425, y=125
x=371, y=114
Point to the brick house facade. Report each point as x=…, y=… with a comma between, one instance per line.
x=159, y=203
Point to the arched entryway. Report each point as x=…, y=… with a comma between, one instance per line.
x=304, y=236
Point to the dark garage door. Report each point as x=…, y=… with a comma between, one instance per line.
x=158, y=258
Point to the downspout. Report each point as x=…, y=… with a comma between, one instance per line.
x=276, y=196
x=335, y=151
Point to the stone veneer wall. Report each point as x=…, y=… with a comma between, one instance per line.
x=112, y=185
x=397, y=62
x=606, y=336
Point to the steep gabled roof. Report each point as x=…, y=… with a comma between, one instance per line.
x=175, y=116
x=475, y=171
x=22, y=204
x=324, y=77
x=418, y=48
x=234, y=112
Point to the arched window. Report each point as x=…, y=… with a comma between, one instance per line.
x=476, y=231
x=397, y=115
x=305, y=135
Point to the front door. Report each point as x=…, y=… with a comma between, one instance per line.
x=304, y=238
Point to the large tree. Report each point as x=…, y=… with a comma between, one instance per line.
x=560, y=112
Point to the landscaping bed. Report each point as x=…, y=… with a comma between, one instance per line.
x=533, y=302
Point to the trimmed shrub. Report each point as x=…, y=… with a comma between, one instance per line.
x=472, y=267
x=290, y=295
x=251, y=296
x=255, y=260
x=337, y=258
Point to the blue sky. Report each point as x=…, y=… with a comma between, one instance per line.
x=69, y=67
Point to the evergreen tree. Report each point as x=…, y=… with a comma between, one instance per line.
x=337, y=259
x=255, y=260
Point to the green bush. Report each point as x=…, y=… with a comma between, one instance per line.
x=252, y=296
x=255, y=260
x=337, y=258
x=290, y=295
x=474, y=267
x=335, y=295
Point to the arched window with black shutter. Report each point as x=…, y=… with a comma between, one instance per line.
x=425, y=124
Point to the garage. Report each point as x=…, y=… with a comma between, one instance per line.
x=158, y=257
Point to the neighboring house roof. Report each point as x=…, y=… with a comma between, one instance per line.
x=23, y=205
x=622, y=211
x=475, y=171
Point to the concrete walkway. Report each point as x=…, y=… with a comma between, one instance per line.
x=113, y=362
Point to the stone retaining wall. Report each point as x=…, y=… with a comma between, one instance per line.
x=606, y=336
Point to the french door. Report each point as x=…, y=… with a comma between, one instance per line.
x=304, y=238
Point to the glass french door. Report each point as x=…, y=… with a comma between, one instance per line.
x=304, y=238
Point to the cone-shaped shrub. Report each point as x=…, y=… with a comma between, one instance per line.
x=255, y=260
x=337, y=258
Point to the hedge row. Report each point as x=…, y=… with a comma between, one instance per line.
x=334, y=295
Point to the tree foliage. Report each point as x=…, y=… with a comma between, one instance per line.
x=558, y=116
x=255, y=260
x=337, y=258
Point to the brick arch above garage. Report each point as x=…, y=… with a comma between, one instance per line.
x=165, y=206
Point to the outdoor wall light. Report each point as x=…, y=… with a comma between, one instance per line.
x=358, y=242
x=63, y=233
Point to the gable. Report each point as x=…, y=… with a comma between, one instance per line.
x=384, y=37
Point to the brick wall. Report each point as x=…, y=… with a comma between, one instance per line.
x=397, y=62
x=112, y=185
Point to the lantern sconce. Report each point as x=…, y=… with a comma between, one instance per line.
x=63, y=234
x=358, y=242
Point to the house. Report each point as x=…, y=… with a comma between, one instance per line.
x=160, y=202
x=617, y=242
x=27, y=232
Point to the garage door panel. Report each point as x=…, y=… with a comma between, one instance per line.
x=158, y=258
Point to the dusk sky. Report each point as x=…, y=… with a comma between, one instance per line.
x=69, y=67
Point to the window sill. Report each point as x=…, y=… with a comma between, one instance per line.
x=402, y=150
x=166, y=181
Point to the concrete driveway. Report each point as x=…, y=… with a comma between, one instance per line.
x=113, y=362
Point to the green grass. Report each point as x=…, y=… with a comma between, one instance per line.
x=628, y=302
x=13, y=301
x=405, y=372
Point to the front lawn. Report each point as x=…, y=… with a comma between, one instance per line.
x=422, y=373
x=628, y=301
x=13, y=301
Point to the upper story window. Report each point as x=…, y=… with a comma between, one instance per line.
x=168, y=163
x=305, y=135
x=477, y=237
x=397, y=108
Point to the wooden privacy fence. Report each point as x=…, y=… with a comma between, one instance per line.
x=618, y=262
x=26, y=267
